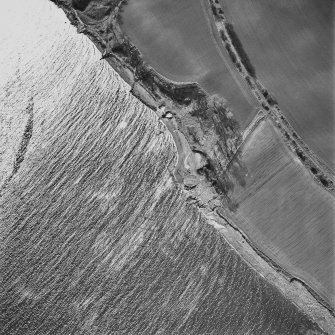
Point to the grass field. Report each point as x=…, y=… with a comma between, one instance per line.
x=176, y=39
x=290, y=43
x=287, y=215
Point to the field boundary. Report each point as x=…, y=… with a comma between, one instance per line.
x=252, y=190
x=240, y=83
x=257, y=119
x=317, y=168
x=230, y=218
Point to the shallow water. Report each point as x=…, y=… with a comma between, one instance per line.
x=291, y=44
x=95, y=237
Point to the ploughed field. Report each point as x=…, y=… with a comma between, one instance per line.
x=175, y=38
x=284, y=212
x=290, y=43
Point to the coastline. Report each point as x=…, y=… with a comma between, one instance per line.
x=181, y=99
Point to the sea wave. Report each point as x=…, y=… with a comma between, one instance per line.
x=95, y=236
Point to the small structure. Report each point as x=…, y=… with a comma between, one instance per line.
x=167, y=115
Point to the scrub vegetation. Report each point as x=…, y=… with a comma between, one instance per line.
x=240, y=50
x=80, y=4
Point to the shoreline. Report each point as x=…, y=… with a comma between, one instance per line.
x=182, y=99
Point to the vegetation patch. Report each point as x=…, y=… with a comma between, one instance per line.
x=212, y=116
x=301, y=155
x=231, y=53
x=240, y=50
x=80, y=4
x=269, y=98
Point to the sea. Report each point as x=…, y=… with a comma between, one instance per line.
x=95, y=237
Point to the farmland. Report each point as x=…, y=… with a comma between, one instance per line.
x=95, y=236
x=295, y=62
x=288, y=216
x=176, y=38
